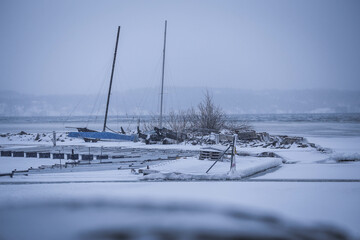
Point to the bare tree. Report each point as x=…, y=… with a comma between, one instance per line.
x=209, y=116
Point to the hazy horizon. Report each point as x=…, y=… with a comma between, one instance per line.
x=146, y=101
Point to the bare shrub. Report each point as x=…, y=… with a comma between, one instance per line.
x=204, y=119
x=178, y=121
x=150, y=124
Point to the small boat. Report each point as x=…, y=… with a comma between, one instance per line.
x=91, y=135
x=97, y=136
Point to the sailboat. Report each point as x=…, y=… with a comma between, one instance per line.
x=92, y=135
x=160, y=133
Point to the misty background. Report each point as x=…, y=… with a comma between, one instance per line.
x=146, y=102
x=254, y=56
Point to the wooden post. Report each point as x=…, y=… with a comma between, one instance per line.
x=217, y=138
x=54, y=138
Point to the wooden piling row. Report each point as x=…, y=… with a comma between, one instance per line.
x=58, y=156
x=18, y=154
x=61, y=155
x=87, y=157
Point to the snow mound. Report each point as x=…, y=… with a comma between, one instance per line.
x=177, y=176
x=187, y=169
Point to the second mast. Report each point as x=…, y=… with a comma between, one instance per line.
x=162, y=78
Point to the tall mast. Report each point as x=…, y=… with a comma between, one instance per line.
x=162, y=77
x=111, y=78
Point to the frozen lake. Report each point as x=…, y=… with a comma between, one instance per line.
x=314, y=195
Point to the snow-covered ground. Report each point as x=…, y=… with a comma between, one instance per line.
x=340, y=145
x=8, y=164
x=299, y=191
x=343, y=171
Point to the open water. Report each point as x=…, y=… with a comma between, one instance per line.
x=319, y=125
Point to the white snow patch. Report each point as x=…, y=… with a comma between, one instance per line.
x=343, y=157
x=340, y=171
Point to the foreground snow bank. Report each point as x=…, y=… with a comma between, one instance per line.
x=194, y=169
x=151, y=220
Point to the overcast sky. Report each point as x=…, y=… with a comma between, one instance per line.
x=67, y=46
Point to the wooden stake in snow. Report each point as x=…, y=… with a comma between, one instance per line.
x=233, y=153
x=101, y=154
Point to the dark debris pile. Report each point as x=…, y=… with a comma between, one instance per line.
x=244, y=139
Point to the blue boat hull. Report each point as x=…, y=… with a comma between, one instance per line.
x=103, y=136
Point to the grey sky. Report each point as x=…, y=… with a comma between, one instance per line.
x=67, y=46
